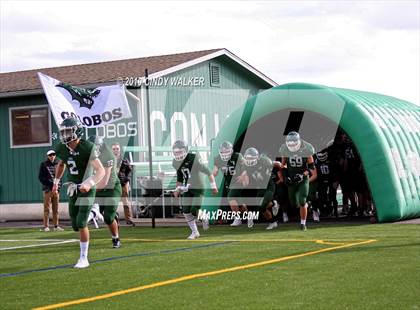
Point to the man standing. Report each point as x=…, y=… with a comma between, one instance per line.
x=189, y=184
x=81, y=159
x=124, y=174
x=46, y=177
x=297, y=157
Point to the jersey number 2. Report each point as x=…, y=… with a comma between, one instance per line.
x=72, y=167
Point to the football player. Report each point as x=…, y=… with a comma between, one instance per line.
x=257, y=182
x=335, y=175
x=297, y=157
x=350, y=163
x=81, y=159
x=189, y=184
x=321, y=189
x=280, y=194
x=108, y=190
x=229, y=162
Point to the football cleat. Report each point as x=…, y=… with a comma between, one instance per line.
x=251, y=156
x=225, y=150
x=58, y=228
x=302, y=227
x=237, y=222
x=275, y=208
x=194, y=235
x=116, y=243
x=272, y=226
x=285, y=217
x=45, y=229
x=82, y=263
x=293, y=141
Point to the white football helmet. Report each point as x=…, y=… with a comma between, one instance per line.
x=225, y=150
x=293, y=141
x=180, y=150
x=251, y=157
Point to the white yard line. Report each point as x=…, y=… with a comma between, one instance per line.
x=52, y=242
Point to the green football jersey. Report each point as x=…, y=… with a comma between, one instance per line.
x=231, y=167
x=190, y=171
x=260, y=174
x=297, y=162
x=77, y=161
x=108, y=159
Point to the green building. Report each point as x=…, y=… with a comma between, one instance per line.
x=191, y=97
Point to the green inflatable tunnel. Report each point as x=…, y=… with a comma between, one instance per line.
x=385, y=131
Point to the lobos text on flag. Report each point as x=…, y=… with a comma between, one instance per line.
x=93, y=106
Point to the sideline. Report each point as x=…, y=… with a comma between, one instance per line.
x=50, y=242
x=19, y=273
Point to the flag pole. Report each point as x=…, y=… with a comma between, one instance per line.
x=149, y=142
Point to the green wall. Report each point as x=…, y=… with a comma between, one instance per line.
x=19, y=166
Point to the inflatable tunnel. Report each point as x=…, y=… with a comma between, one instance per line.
x=385, y=131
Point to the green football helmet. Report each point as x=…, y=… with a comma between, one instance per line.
x=251, y=156
x=180, y=150
x=293, y=141
x=225, y=150
x=70, y=129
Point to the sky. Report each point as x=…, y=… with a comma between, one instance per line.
x=367, y=45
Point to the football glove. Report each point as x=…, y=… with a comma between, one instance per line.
x=183, y=189
x=72, y=188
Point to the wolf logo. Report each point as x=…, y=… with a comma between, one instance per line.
x=82, y=95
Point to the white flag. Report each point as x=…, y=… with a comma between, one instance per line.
x=94, y=107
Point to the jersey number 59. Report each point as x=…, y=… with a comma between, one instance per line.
x=296, y=161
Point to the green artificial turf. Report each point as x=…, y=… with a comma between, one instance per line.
x=384, y=274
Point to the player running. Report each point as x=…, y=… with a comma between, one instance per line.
x=81, y=159
x=297, y=157
x=229, y=162
x=189, y=184
x=108, y=190
x=257, y=183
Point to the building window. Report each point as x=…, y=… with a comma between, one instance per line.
x=30, y=126
x=214, y=74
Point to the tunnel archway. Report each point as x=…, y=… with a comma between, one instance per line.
x=385, y=131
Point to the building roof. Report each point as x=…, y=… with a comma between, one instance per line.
x=26, y=82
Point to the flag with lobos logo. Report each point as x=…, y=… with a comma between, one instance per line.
x=94, y=107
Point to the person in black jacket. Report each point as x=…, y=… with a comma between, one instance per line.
x=46, y=177
x=124, y=174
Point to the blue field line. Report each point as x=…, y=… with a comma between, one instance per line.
x=5, y=275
